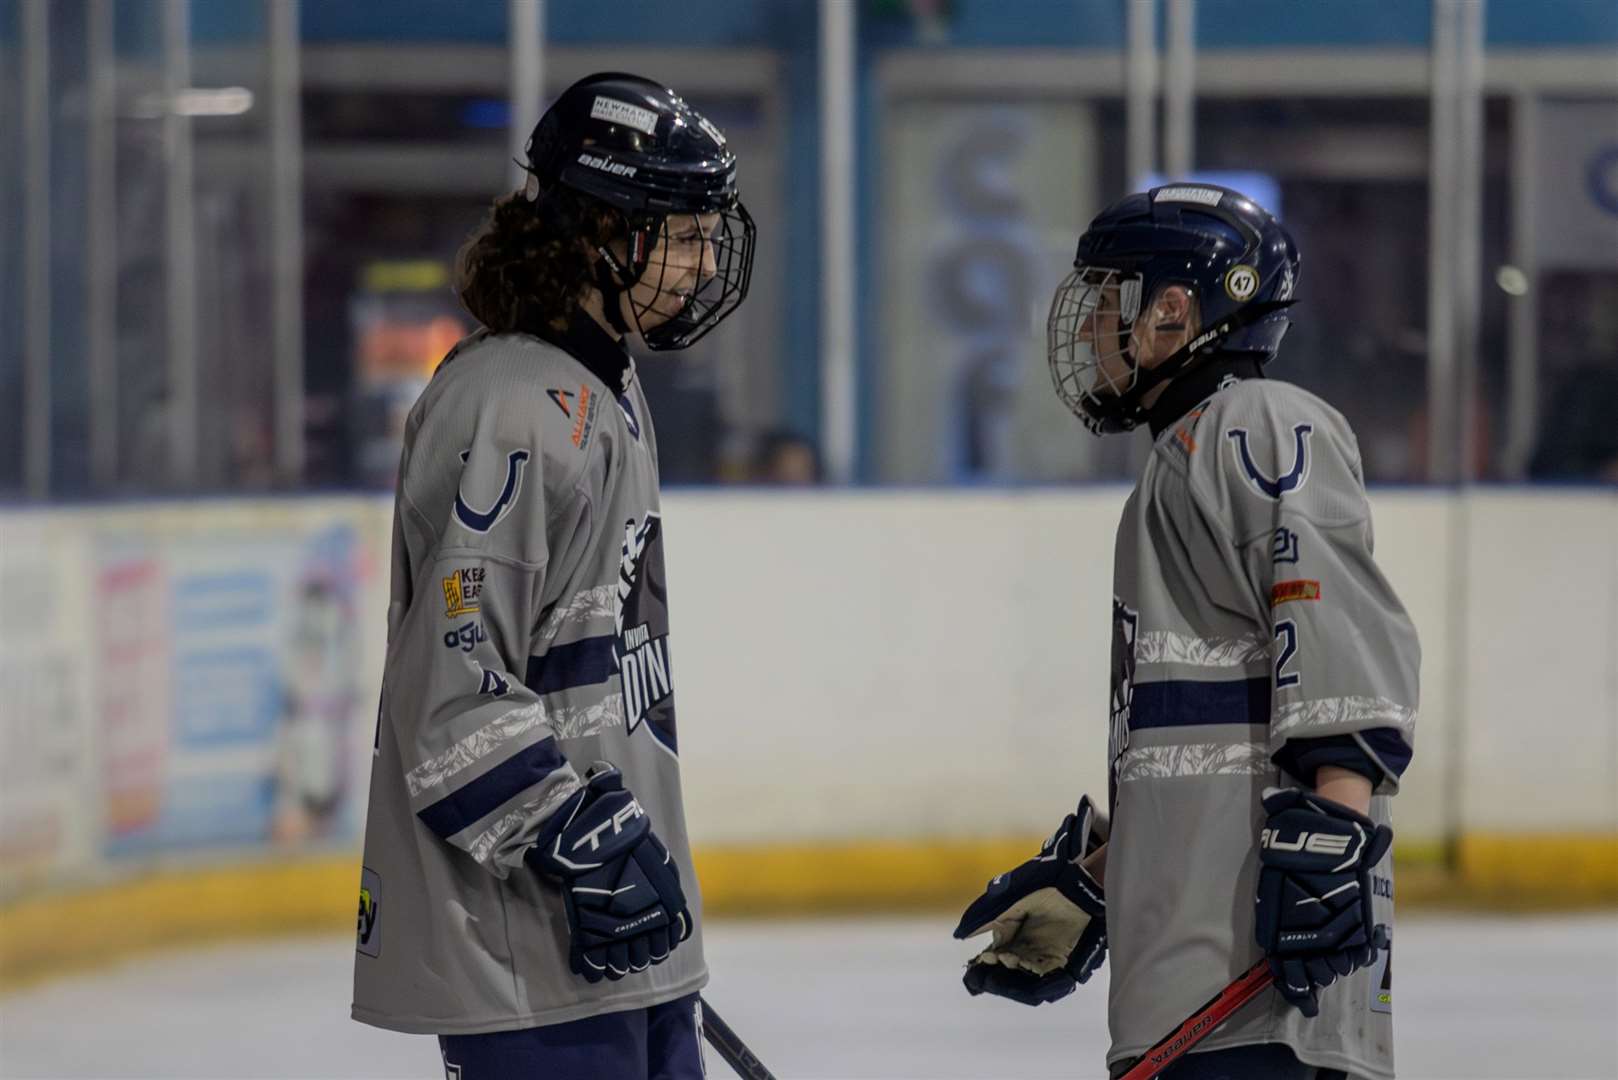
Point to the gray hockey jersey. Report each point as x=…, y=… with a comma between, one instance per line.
x=1248, y=612
x=527, y=638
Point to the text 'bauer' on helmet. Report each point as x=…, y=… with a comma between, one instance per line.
x=1237, y=262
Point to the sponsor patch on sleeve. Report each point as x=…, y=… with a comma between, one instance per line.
x=466, y=637
x=1284, y=592
x=462, y=589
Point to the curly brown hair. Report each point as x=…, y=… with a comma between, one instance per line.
x=526, y=266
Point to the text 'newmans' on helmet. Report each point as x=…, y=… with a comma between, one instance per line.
x=638, y=147
x=1239, y=263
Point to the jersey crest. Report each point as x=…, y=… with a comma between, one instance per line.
x=641, y=645
x=1294, y=478
x=482, y=521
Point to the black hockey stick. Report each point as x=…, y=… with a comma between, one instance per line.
x=731, y=1048
x=1247, y=986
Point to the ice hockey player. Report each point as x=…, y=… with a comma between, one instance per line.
x=1264, y=674
x=527, y=892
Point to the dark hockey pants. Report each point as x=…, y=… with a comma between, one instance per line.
x=1267, y=1061
x=663, y=1042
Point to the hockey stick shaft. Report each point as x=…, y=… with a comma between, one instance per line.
x=1247, y=986
x=735, y=1052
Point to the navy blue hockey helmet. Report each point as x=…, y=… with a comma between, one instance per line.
x=1238, y=263
x=636, y=146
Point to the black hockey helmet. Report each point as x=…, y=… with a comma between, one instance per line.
x=635, y=145
x=1239, y=263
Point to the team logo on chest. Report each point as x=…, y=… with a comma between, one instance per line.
x=641, y=647
x=1293, y=480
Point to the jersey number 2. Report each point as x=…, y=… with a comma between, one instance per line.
x=1286, y=632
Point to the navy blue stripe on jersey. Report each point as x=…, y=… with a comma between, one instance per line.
x=578, y=663
x=1189, y=703
x=499, y=785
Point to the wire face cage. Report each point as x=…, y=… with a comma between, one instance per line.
x=697, y=273
x=1088, y=331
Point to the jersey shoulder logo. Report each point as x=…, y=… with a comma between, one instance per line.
x=481, y=521
x=1292, y=480
x=564, y=401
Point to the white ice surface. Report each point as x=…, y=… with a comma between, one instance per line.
x=1477, y=999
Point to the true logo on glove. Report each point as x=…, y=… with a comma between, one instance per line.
x=628, y=812
x=1314, y=843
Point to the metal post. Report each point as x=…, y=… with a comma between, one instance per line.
x=1455, y=270
x=286, y=233
x=839, y=429
x=1468, y=230
x=101, y=244
x=1140, y=92
x=1523, y=420
x=180, y=254
x=527, y=45
x=1179, y=91
x=1441, y=249
x=1140, y=130
x=36, y=228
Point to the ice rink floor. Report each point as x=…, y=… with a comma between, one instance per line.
x=1478, y=999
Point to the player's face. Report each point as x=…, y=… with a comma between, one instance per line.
x=1099, y=329
x=681, y=263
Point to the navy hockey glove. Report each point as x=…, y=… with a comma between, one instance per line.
x=1314, y=893
x=1048, y=918
x=625, y=908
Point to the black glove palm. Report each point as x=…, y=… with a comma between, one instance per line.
x=1314, y=893
x=1048, y=918
x=625, y=908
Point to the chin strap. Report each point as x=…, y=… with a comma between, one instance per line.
x=608, y=271
x=1130, y=409
x=613, y=278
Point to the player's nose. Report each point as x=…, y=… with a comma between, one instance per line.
x=710, y=260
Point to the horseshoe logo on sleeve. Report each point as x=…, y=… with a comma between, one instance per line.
x=482, y=521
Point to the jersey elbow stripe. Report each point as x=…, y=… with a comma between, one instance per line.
x=1330, y=716
x=484, y=794
x=1191, y=703
x=585, y=662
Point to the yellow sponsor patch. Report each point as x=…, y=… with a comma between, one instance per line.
x=1283, y=592
x=461, y=592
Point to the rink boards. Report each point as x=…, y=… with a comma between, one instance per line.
x=884, y=697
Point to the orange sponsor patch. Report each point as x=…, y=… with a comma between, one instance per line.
x=1183, y=433
x=1285, y=591
x=585, y=420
